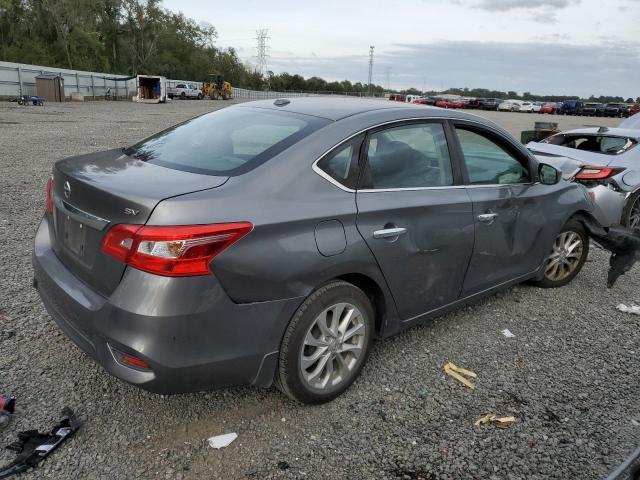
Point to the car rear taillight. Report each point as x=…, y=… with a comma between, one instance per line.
x=172, y=251
x=590, y=172
x=50, y=194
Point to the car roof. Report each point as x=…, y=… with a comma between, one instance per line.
x=616, y=132
x=369, y=111
x=332, y=108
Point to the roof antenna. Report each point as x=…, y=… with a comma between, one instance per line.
x=281, y=102
x=603, y=130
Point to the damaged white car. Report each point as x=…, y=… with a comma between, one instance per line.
x=606, y=161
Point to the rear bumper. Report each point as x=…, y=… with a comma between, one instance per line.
x=187, y=329
x=608, y=204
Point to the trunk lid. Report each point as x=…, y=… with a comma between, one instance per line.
x=96, y=191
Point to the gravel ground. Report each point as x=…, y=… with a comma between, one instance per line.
x=570, y=375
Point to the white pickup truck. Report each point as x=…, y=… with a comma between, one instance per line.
x=184, y=91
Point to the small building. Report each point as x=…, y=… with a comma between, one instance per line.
x=50, y=86
x=151, y=89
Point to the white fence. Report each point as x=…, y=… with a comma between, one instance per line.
x=266, y=94
x=18, y=79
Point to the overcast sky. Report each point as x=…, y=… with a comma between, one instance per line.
x=578, y=47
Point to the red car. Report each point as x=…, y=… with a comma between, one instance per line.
x=397, y=97
x=450, y=104
x=633, y=109
x=549, y=108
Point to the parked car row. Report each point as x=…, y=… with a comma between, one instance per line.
x=568, y=107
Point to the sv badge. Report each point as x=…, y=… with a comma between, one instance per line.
x=131, y=211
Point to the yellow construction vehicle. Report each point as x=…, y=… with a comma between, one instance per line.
x=217, y=88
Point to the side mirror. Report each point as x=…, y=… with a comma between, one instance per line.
x=548, y=175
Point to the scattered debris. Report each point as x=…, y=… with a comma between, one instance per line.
x=222, y=441
x=283, y=465
x=516, y=398
x=552, y=415
x=424, y=394
x=32, y=446
x=7, y=406
x=6, y=334
x=500, y=422
x=631, y=309
x=624, y=245
x=457, y=372
x=507, y=333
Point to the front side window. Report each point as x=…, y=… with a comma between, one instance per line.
x=408, y=156
x=487, y=162
x=226, y=142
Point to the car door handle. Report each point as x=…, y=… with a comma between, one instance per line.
x=389, y=232
x=487, y=217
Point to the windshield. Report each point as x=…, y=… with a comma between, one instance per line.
x=230, y=141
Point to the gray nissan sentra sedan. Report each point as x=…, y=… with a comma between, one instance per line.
x=273, y=241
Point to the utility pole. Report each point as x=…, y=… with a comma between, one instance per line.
x=387, y=79
x=370, y=69
x=262, y=36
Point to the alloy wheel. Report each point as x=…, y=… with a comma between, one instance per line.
x=333, y=346
x=565, y=256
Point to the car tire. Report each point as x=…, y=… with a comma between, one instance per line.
x=309, y=370
x=631, y=212
x=567, y=261
x=199, y=96
x=183, y=96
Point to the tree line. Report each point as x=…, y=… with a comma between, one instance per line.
x=131, y=37
x=140, y=36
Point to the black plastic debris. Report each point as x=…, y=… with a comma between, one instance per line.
x=283, y=465
x=32, y=446
x=624, y=245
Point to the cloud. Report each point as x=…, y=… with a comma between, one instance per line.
x=505, y=5
x=544, y=66
x=545, y=16
x=542, y=11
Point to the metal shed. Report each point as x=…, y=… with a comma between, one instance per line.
x=50, y=86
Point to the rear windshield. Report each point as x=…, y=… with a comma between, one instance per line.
x=610, y=145
x=227, y=142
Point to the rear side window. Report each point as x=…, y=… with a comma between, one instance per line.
x=408, y=156
x=226, y=142
x=609, y=145
x=342, y=163
x=488, y=162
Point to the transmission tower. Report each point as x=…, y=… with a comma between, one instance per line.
x=370, y=69
x=262, y=36
x=387, y=79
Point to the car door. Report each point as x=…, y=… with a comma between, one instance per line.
x=415, y=215
x=509, y=220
